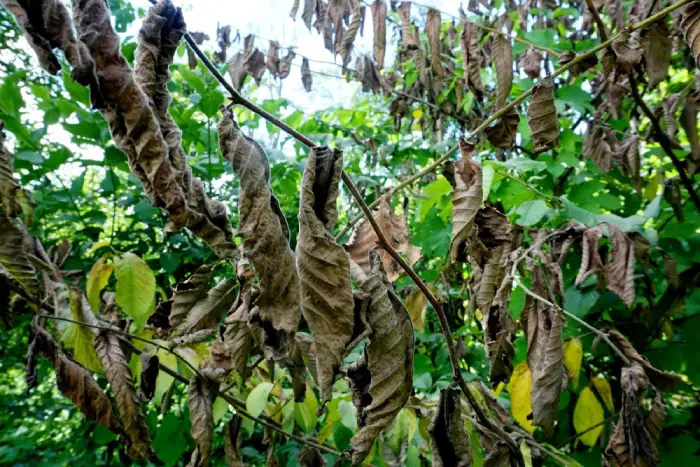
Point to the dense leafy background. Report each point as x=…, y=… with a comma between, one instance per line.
x=84, y=191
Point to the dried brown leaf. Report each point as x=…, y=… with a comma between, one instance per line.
x=223, y=39
x=600, y=145
x=502, y=54
x=285, y=66
x=579, y=67
x=344, y=49
x=591, y=262
x=531, y=63
x=449, y=441
x=432, y=26
x=207, y=311
x=232, y=442
x=149, y=374
x=408, y=34
x=689, y=122
x=469, y=42
x=658, y=46
x=116, y=366
x=670, y=105
x=672, y=195
x=76, y=383
x=466, y=199
x=265, y=235
x=620, y=268
x=310, y=457
x=624, y=54
x=273, y=58
x=238, y=336
x=690, y=25
x=188, y=293
x=502, y=133
x=306, y=78
x=627, y=158
x=308, y=13
x=664, y=380
x=9, y=187
x=379, y=27
x=323, y=266
x=200, y=397
x=382, y=378
x=15, y=250
x=499, y=456
x=199, y=38
x=295, y=9
x=542, y=117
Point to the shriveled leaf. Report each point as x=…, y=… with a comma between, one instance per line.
x=200, y=397
x=664, y=380
x=306, y=78
x=502, y=54
x=689, y=122
x=310, y=457
x=432, y=27
x=627, y=158
x=624, y=53
x=344, y=47
x=382, y=378
x=519, y=388
x=273, y=58
x=275, y=310
x=448, y=438
x=603, y=389
x=502, y=133
x=15, y=246
x=466, y=197
x=9, y=187
x=379, y=27
x=531, y=63
x=573, y=357
x=542, y=117
x=416, y=305
x=237, y=335
x=323, y=266
x=499, y=456
x=79, y=338
x=580, y=66
x=620, y=268
x=395, y=229
x=590, y=258
x=600, y=145
x=408, y=35
x=587, y=414
x=135, y=289
x=149, y=376
x=116, y=366
x=188, y=293
x=209, y=309
x=469, y=42
x=96, y=281
x=295, y=9
x=308, y=13
x=232, y=442
x=658, y=45
x=690, y=25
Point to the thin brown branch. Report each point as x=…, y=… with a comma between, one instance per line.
x=598, y=20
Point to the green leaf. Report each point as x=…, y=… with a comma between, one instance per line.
x=257, y=399
x=580, y=302
x=136, y=288
x=531, y=212
x=347, y=414
x=79, y=338
x=96, y=281
x=487, y=175
x=433, y=193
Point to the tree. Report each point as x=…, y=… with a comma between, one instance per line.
x=508, y=276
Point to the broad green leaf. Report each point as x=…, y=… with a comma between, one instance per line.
x=164, y=380
x=305, y=412
x=257, y=399
x=519, y=388
x=433, y=192
x=527, y=453
x=487, y=175
x=588, y=413
x=136, y=288
x=573, y=357
x=96, y=281
x=347, y=413
x=531, y=212
x=79, y=338
x=219, y=409
x=605, y=392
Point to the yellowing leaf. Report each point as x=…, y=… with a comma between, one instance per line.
x=164, y=380
x=416, y=304
x=257, y=399
x=136, y=288
x=96, y=281
x=418, y=113
x=603, y=388
x=573, y=356
x=519, y=388
x=588, y=413
x=527, y=453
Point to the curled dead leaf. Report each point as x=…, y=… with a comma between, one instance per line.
x=658, y=46
x=542, y=117
x=306, y=78
x=690, y=25
x=502, y=54
x=9, y=187
x=200, y=397
x=432, y=27
x=591, y=262
x=531, y=63
x=620, y=268
x=448, y=438
x=232, y=442
x=149, y=374
x=469, y=42
x=379, y=27
x=502, y=133
x=580, y=66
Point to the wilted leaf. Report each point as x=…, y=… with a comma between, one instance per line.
x=658, y=45
x=449, y=441
x=627, y=158
x=502, y=133
x=323, y=266
x=285, y=66
x=469, y=41
x=344, y=47
x=77, y=384
x=499, y=456
x=502, y=53
x=466, y=199
x=620, y=268
x=542, y=117
x=624, y=54
x=382, y=378
x=408, y=35
x=310, y=457
x=689, y=122
x=135, y=289
x=690, y=25
x=208, y=310
x=149, y=376
x=573, y=357
x=590, y=258
x=9, y=187
x=432, y=27
x=672, y=195
x=416, y=305
x=579, y=67
x=116, y=366
x=295, y=9
x=199, y=38
x=306, y=78
x=232, y=442
x=587, y=414
x=379, y=28
x=237, y=335
x=519, y=388
x=273, y=58
x=308, y=13
x=664, y=380
x=79, y=338
x=265, y=235
x=14, y=248
x=600, y=145
x=604, y=391
x=96, y=281
x=531, y=63
x=395, y=230
x=200, y=397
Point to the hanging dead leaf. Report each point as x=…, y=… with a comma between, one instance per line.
x=285, y=66
x=542, y=117
x=8, y=185
x=188, y=293
x=620, y=268
x=448, y=438
x=395, y=229
x=232, y=442
x=670, y=105
x=689, y=122
x=499, y=332
x=382, y=378
x=310, y=457
x=115, y=364
x=15, y=248
x=199, y=38
x=531, y=63
x=417, y=305
x=344, y=49
x=76, y=383
x=273, y=58
x=308, y=13
x=623, y=54
x=265, y=235
x=371, y=80
x=465, y=177
x=306, y=78
x=379, y=27
x=223, y=39
x=672, y=195
x=658, y=46
x=502, y=54
x=469, y=42
x=690, y=25
x=502, y=133
x=664, y=380
x=499, y=456
x=627, y=158
x=200, y=397
x=238, y=336
x=323, y=266
x=408, y=35
x=432, y=27
x=149, y=374
x=579, y=67
x=591, y=262
x=600, y=145
x=207, y=311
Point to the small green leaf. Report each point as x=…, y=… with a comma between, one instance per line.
x=136, y=288
x=257, y=399
x=531, y=212
x=487, y=173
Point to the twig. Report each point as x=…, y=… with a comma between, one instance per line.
x=610, y=417
x=598, y=21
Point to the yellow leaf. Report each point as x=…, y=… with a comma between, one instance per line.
x=588, y=413
x=603, y=388
x=573, y=356
x=652, y=187
x=416, y=304
x=519, y=388
x=98, y=245
x=418, y=113
x=96, y=281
